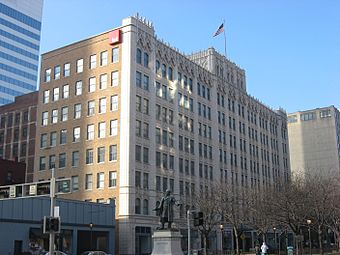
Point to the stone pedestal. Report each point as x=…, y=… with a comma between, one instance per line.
x=166, y=242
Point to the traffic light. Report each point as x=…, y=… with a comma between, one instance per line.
x=198, y=219
x=51, y=224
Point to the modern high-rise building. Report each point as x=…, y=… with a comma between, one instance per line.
x=20, y=25
x=126, y=116
x=314, y=140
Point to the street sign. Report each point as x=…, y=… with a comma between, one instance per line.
x=33, y=190
x=12, y=192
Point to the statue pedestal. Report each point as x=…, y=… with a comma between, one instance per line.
x=166, y=242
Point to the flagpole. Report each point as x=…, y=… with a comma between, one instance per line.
x=225, y=40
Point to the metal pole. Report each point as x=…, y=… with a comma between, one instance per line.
x=310, y=241
x=221, y=240
x=189, y=236
x=52, y=196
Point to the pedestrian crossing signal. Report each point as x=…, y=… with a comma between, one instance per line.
x=51, y=225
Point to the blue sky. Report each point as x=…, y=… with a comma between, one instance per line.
x=290, y=49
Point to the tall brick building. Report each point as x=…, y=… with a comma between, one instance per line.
x=127, y=116
x=18, y=129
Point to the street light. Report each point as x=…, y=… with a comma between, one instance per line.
x=221, y=228
x=91, y=226
x=309, y=236
x=275, y=241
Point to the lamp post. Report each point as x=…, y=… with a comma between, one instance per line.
x=309, y=236
x=275, y=241
x=91, y=226
x=221, y=228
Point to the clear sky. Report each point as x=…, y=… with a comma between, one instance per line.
x=290, y=49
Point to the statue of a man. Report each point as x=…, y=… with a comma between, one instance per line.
x=165, y=209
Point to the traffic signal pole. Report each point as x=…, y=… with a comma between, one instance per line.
x=52, y=196
x=189, y=236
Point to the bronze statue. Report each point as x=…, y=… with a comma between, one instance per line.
x=165, y=209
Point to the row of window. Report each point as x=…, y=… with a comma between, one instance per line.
x=80, y=65
x=8, y=118
x=16, y=135
x=15, y=150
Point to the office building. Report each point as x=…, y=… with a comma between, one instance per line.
x=20, y=26
x=126, y=116
x=314, y=141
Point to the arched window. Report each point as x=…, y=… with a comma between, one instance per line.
x=145, y=207
x=139, y=56
x=137, y=206
x=146, y=59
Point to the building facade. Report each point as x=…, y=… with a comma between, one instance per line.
x=127, y=116
x=11, y=172
x=18, y=130
x=20, y=26
x=314, y=140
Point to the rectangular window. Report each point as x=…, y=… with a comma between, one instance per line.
x=57, y=72
x=75, y=183
x=55, y=95
x=53, y=139
x=101, y=154
x=78, y=88
x=67, y=68
x=80, y=65
x=92, y=84
x=75, y=158
x=145, y=181
x=146, y=82
x=114, y=78
x=146, y=106
x=146, y=60
x=43, y=140
x=89, y=156
x=113, y=127
x=77, y=111
x=114, y=103
x=138, y=153
x=138, y=79
x=138, y=56
x=62, y=160
x=145, y=155
x=90, y=108
x=76, y=134
x=113, y=152
x=42, y=163
x=90, y=132
x=101, y=129
x=64, y=113
x=102, y=105
x=88, y=182
x=63, y=136
x=145, y=130
x=46, y=96
x=103, y=81
x=54, y=116
x=139, y=104
x=138, y=128
x=112, y=179
x=93, y=61
x=65, y=91
x=115, y=55
x=100, y=180
x=103, y=58
x=48, y=75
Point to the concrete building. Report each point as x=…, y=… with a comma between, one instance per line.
x=314, y=140
x=127, y=116
x=18, y=130
x=20, y=25
x=23, y=217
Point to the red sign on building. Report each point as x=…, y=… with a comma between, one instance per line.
x=115, y=36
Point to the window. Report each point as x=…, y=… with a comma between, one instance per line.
x=90, y=108
x=115, y=55
x=100, y=180
x=75, y=183
x=138, y=128
x=103, y=58
x=77, y=111
x=76, y=134
x=67, y=68
x=307, y=116
x=48, y=75
x=75, y=158
x=89, y=156
x=114, y=78
x=44, y=120
x=93, y=61
x=325, y=113
x=158, y=66
x=53, y=139
x=113, y=127
x=145, y=181
x=145, y=130
x=62, y=160
x=139, y=56
x=101, y=154
x=92, y=84
x=170, y=75
x=145, y=155
x=101, y=129
x=64, y=113
x=63, y=136
x=78, y=88
x=146, y=106
x=158, y=159
x=112, y=179
x=42, y=163
x=102, y=105
x=145, y=207
x=80, y=64
x=90, y=132
x=51, y=161
x=55, y=96
x=146, y=60
x=65, y=92
x=138, y=104
x=43, y=140
x=292, y=118
x=113, y=152
x=146, y=82
x=138, y=79
x=137, y=206
x=54, y=116
x=163, y=70
x=46, y=96
x=114, y=103
x=103, y=81
x=138, y=153
x=88, y=181
x=57, y=72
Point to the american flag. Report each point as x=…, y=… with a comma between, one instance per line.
x=219, y=30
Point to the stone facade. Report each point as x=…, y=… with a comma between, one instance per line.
x=184, y=122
